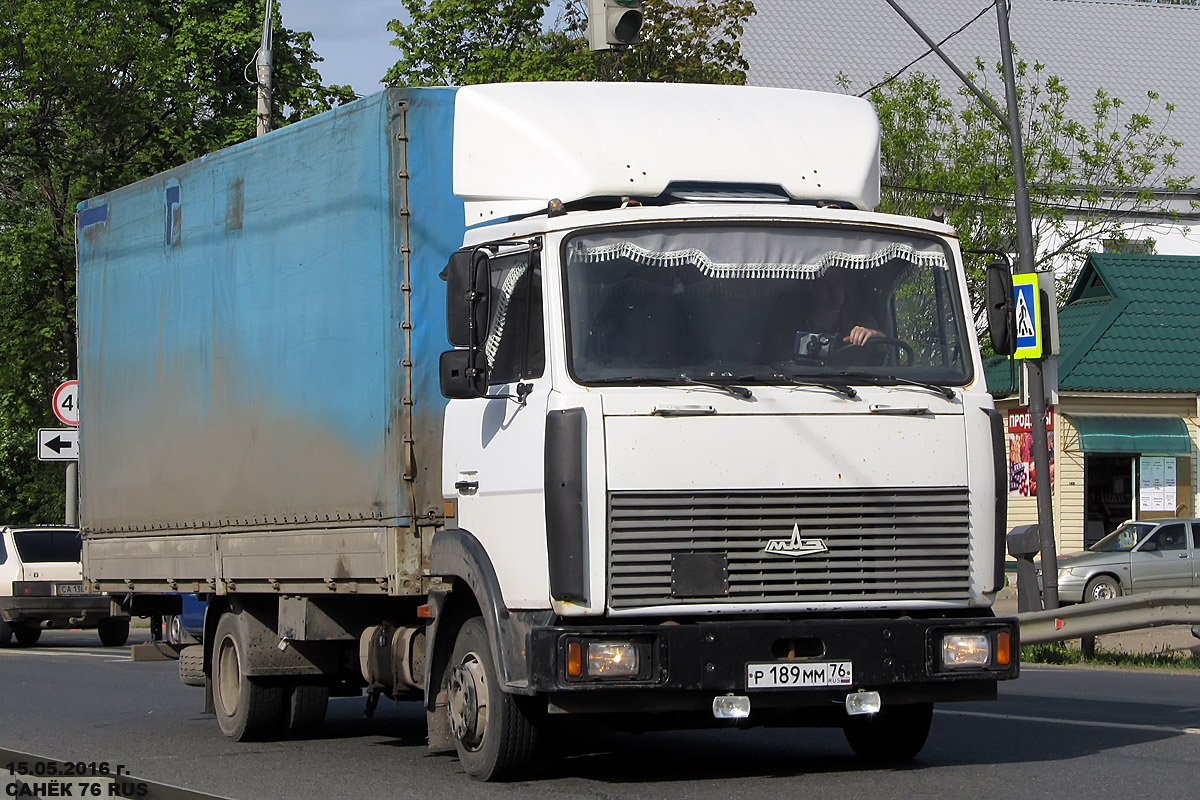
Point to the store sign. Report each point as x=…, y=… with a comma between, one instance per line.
x=1022, y=474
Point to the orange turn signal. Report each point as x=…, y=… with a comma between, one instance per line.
x=574, y=659
x=1003, y=648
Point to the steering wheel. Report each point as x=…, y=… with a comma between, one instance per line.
x=903, y=348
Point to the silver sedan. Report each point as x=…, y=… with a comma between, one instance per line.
x=1137, y=557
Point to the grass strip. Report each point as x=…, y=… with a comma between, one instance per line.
x=1059, y=653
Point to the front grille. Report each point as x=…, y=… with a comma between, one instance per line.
x=676, y=548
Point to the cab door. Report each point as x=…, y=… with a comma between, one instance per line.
x=494, y=445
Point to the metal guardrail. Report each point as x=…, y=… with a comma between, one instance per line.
x=1135, y=612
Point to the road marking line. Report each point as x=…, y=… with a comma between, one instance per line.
x=47, y=651
x=1078, y=722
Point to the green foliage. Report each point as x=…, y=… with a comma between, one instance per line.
x=95, y=94
x=1060, y=653
x=460, y=42
x=955, y=154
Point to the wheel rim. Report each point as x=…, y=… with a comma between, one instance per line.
x=468, y=701
x=229, y=677
x=1103, y=591
x=175, y=631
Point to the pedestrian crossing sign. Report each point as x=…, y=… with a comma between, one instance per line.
x=1027, y=300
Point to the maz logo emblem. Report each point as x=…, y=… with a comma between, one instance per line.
x=795, y=546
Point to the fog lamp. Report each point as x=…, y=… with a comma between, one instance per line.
x=731, y=707
x=966, y=650
x=863, y=703
x=612, y=660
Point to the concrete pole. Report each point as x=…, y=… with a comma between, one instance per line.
x=262, y=70
x=72, y=515
x=1025, y=263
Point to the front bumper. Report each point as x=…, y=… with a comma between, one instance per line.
x=687, y=664
x=1070, y=588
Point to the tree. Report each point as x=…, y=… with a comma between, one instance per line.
x=460, y=42
x=95, y=94
x=1097, y=179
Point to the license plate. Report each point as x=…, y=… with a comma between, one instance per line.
x=68, y=589
x=788, y=674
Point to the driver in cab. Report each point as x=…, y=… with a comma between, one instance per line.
x=836, y=311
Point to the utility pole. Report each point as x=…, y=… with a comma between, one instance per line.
x=262, y=71
x=1025, y=263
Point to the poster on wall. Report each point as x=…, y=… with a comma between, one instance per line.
x=1022, y=475
x=1156, y=490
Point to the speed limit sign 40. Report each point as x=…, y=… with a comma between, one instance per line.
x=66, y=402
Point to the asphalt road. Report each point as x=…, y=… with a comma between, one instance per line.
x=1055, y=732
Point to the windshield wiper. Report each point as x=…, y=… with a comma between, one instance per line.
x=655, y=380
x=887, y=380
x=736, y=391
x=844, y=389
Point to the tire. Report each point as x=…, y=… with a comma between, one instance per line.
x=173, y=629
x=114, y=631
x=895, y=733
x=6, y=633
x=27, y=634
x=191, y=665
x=306, y=707
x=1101, y=587
x=248, y=709
x=492, y=730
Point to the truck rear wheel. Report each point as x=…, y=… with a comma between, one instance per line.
x=894, y=733
x=191, y=665
x=493, y=734
x=113, y=631
x=307, y=704
x=247, y=709
x=27, y=634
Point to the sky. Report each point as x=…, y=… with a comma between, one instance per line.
x=351, y=35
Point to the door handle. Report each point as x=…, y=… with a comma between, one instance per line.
x=467, y=487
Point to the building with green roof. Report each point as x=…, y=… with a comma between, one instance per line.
x=1125, y=415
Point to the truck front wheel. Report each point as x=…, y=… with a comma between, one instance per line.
x=894, y=733
x=492, y=730
x=247, y=709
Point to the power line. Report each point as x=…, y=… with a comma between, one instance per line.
x=905, y=68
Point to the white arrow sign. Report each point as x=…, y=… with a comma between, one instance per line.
x=58, y=444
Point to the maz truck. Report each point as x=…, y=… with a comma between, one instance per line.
x=605, y=404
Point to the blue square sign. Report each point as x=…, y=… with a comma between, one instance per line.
x=1027, y=299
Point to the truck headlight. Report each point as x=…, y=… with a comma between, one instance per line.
x=612, y=660
x=966, y=650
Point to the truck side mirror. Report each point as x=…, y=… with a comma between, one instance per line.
x=468, y=298
x=463, y=374
x=1001, y=310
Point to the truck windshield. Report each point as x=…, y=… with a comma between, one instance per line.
x=762, y=304
x=41, y=546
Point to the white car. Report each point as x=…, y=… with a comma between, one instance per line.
x=41, y=586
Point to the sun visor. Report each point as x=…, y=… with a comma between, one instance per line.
x=518, y=145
